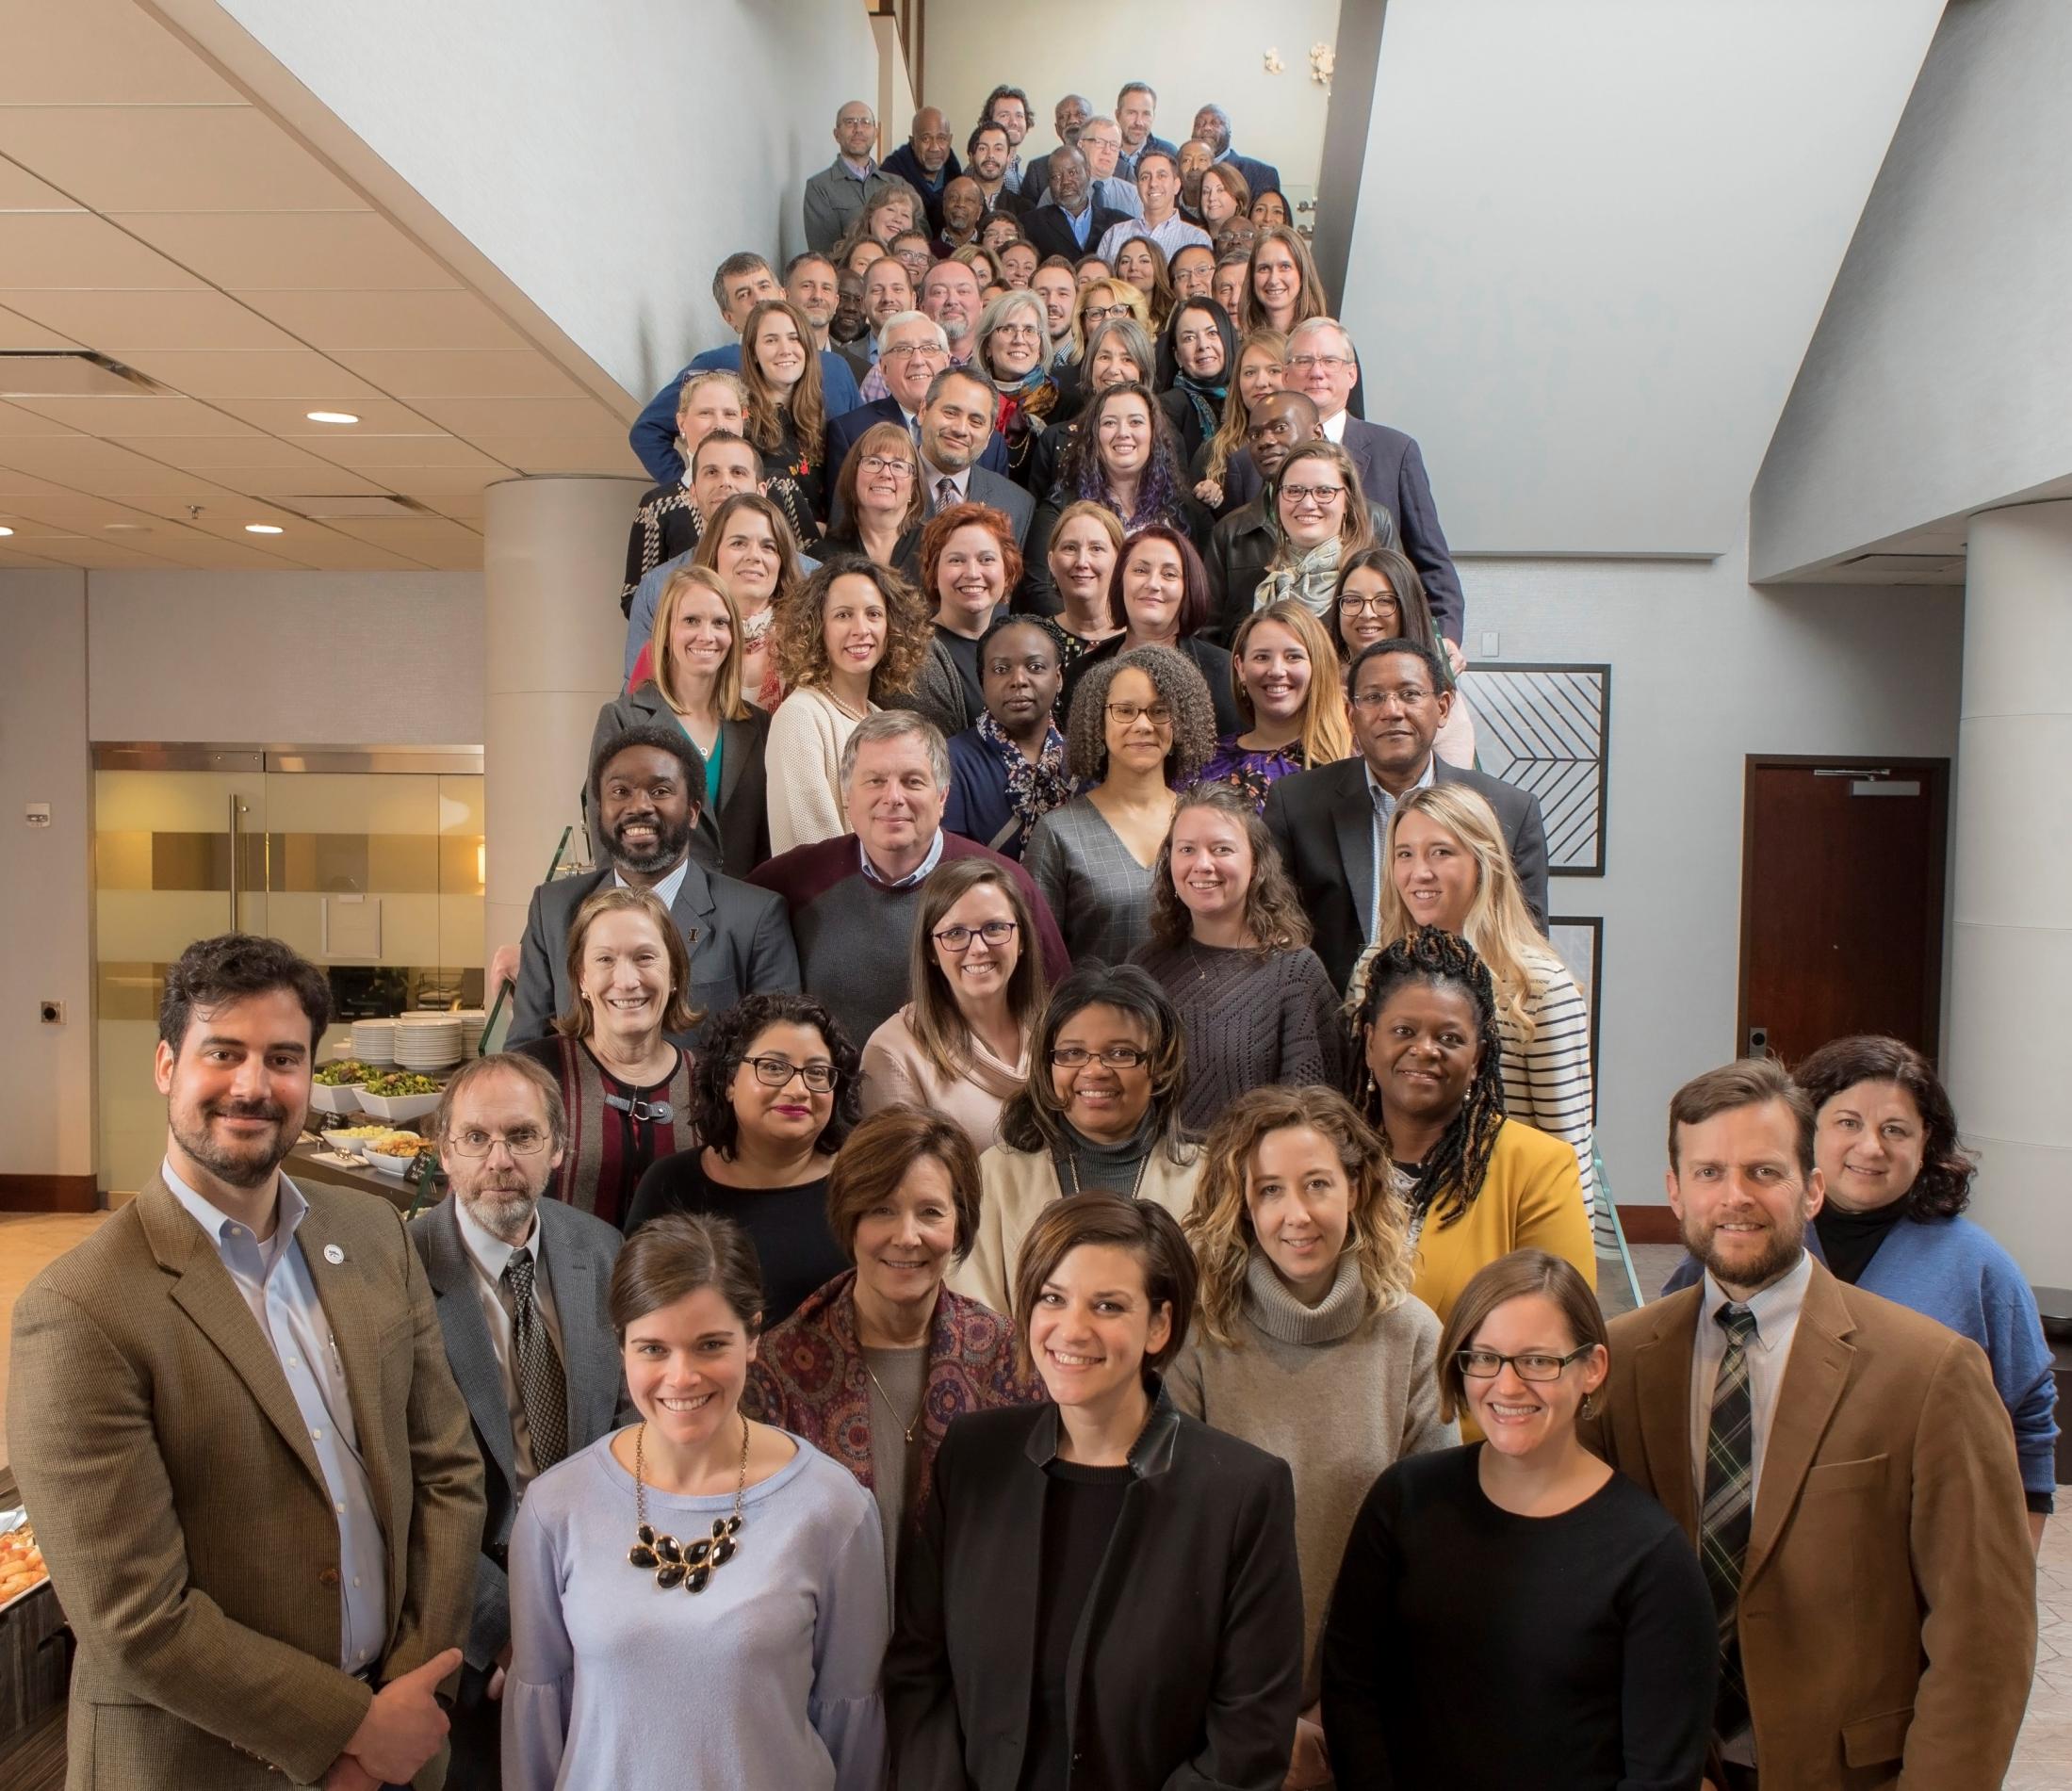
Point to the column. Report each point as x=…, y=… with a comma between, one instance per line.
x=2011, y=933
x=553, y=560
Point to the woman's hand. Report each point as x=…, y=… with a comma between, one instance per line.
x=1311, y=1763
x=1210, y=493
x=1455, y=658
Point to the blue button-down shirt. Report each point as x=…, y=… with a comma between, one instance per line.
x=916, y=875
x=1384, y=812
x=275, y=1279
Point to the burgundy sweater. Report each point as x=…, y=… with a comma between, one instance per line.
x=855, y=935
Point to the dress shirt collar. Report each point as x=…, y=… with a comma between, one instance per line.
x=1384, y=803
x=1334, y=428
x=933, y=476
x=858, y=171
x=1775, y=1308
x=668, y=890
x=912, y=878
x=489, y=1252
x=291, y=1210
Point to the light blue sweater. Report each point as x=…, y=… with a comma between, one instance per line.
x=1953, y=1272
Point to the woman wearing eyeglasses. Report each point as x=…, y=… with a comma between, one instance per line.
x=1380, y=597
x=1323, y=520
x=1101, y=1110
x=1514, y=1612
x=1140, y=723
x=961, y=1046
x=775, y=1095
x=1014, y=346
x=878, y=499
x=625, y=1087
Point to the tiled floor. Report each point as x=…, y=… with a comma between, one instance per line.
x=2042, y=1762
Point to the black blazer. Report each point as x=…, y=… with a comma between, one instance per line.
x=733, y=831
x=740, y=937
x=1049, y=230
x=1392, y=473
x=1187, y=1663
x=580, y=1253
x=1323, y=822
x=846, y=431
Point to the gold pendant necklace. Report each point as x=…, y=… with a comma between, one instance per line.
x=690, y=1565
x=914, y=1423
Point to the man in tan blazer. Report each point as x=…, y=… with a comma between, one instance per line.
x=234, y=1430
x=1861, y=1523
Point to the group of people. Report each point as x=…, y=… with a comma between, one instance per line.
x=1035, y=1224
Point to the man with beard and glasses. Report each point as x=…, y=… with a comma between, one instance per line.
x=1843, y=1466
x=522, y=1286
x=648, y=797
x=237, y=1436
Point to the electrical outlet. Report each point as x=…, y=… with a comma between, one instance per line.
x=51, y=1013
x=1491, y=644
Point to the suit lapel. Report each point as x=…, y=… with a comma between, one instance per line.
x=468, y=1351
x=737, y=742
x=1661, y=1391
x=342, y=1288
x=1352, y=822
x=576, y=888
x=1815, y=1374
x=576, y=1272
x=205, y=1292
x=694, y=906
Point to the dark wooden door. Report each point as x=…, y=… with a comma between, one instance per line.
x=1841, y=901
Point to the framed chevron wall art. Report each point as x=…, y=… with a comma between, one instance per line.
x=1547, y=729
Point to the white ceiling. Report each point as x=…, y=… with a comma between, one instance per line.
x=149, y=213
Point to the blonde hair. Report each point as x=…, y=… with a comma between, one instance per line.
x=1124, y=294
x=1326, y=730
x=1220, y=1225
x=1237, y=419
x=727, y=697
x=1498, y=925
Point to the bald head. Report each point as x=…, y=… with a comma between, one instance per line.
x=1280, y=423
x=855, y=129
x=930, y=139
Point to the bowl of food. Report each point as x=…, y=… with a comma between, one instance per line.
x=336, y=1087
x=349, y=1140
x=395, y=1154
x=22, y=1569
x=399, y=1096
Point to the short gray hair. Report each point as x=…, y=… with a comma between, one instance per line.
x=1314, y=326
x=997, y=313
x=1101, y=118
x=504, y=1063
x=899, y=318
x=896, y=724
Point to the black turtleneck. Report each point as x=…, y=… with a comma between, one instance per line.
x=1850, y=1239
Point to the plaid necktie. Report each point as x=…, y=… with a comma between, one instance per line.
x=541, y=1388
x=1730, y=1503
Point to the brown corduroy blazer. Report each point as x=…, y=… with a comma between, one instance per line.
x=175, y=1495
x=1888, y=1602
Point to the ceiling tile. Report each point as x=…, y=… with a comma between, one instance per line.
x=192, y=548
x=18, y=335
x=48, y=248
x=234, y=451
x=419, y=375
x=137, y=416
x=462, y=506
x=16, y=420
x=354, y=449
x=170, y=158
x=102, y=468
x=289, y=416
x=99, y=556
x=436, y=484
x=74, y=513
x=377, y=320
x=12, y=556
x=15, y=486
x=576, y=417
x=20, y=191
x=340, y=553
x=291, y=482
x=409, y=534
x=280, y=374
x=563, y=454
x=101, y=53
x=120, y=323
x=291, y=250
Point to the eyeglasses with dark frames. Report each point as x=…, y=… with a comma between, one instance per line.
x=1114, y=1056
x=1533, y=1365
x=959, y=938
x=774, y=1072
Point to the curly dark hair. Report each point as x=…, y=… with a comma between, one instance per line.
x=231, y=967
x=798, y=640
x=1453, y=1170
x=1159, y=491
x=1943, y=1188
x=1033, y=1119
x=726, y=1043
x=1180, y=686
x=1272, y=910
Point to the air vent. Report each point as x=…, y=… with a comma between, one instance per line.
x=70, y=374
x=367, y=508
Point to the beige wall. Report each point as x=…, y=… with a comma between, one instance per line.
x=45, y=877
x=1192, y=51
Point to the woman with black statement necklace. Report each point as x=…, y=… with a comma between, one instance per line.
x=695, y=1535
x=1101, y=1110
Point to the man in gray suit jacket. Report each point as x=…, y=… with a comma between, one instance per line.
x=1331, y=823
x=522, y=1287
x=646, y=791
x=955, y=421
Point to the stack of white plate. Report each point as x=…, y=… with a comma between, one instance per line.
x=428, y=1041
x=472, y=1021
x=374, y=1041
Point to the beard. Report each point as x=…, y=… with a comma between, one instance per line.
x=502, y=1208
x=247, y=1165
x=672, y=839
x=1779, y=1251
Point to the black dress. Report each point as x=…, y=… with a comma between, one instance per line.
x=1477, y=1649
x=788, y=1226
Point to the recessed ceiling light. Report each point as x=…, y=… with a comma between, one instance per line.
x=331, y=416
x=125, y=529
x=5, y=530
x=261, y=529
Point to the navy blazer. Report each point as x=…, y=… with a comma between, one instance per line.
x=1323, y=822
x=846, y=431
x=1392, y=473
x=1048, y=229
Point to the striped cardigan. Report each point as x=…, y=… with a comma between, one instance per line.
x=1548, y=1083
x=608, y=1149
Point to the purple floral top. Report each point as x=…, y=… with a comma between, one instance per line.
x=1248, y=768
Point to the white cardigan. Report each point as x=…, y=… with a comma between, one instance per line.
x=802, y=759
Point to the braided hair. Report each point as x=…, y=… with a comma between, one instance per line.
x=1454, y=1168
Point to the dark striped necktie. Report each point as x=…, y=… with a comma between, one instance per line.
x=1730, y=1503
x=541, y=1387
